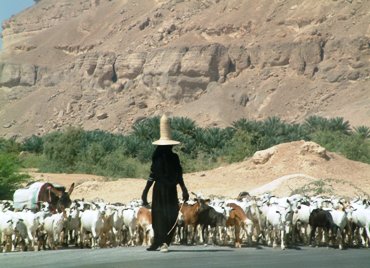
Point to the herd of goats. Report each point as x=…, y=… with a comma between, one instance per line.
x=245, y=221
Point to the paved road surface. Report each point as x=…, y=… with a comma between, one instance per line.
x=191, y=256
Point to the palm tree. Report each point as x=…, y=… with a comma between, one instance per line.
x=207, y=139
x=188, y=144
x=338, y=124
x=184, y=125
x=132, y=145
x=362, y=131
x=315, y=123
x=295, y=132
x=247, y=125
x=273, y=126
x=147, y=129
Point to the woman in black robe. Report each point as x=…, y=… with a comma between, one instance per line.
x=166, y=173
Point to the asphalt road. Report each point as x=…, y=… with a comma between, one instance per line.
x=190, y=256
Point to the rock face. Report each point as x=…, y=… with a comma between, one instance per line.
x=12, y=75
x=261, y=157
x=43, y=16
x=186, y=69
x=288, y=58
x=314, y=148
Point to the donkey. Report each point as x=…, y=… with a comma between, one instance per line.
x=57, y=197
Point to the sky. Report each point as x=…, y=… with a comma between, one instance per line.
x=12, y=7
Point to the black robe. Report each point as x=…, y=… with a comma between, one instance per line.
x=166, y=173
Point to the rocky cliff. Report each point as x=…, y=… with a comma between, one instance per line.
x=105, y=64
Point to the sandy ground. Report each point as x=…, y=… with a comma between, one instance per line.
x=302, y=166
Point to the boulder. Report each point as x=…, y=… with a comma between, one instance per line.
x=102, y=116
x=261, y=157
x=310, y=147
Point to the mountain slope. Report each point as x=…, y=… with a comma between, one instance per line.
x=105, y=64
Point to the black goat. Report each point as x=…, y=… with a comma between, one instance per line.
x=321, y=218
x=209, y=217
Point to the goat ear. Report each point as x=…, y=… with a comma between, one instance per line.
x=71, y=189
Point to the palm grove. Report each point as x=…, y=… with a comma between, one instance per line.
x=115, y=155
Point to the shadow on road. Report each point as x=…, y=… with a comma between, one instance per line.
x=199, y=250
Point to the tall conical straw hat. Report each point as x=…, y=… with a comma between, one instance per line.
x=165, y=131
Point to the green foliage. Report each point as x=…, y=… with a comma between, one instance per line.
x=107, y=154
x=338, y=124
x=188, y=144
x=10, y=178
x=314, y=188
x=200, y=162
x=9, y=146
x=185, y=130
x=132, y=145
x=139, y=143
x=147, y=129
x=273, y=126
x=246, y=125
x=94, y=153
x=325, y=186
x=184, y=125
x=362, y=131
x=295, y=132
x=63, y=148
x=353, y=147
x=146, y=151
x=118, y=165
x=317, y=123
x=108, y=141
x=239, y=147
x=212, y=140
x=33, y=144
x=329, y=140
x=356, y=148
x=32, y=160
x=270, y=132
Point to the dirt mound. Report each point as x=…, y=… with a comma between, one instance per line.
x=307, y=185
x=300, y=166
